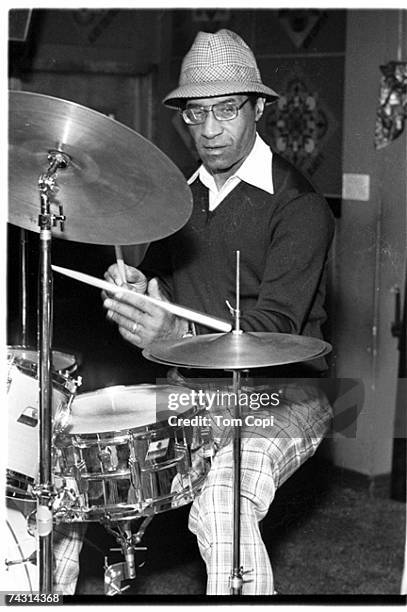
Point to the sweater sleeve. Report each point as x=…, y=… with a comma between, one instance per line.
x=301, y=232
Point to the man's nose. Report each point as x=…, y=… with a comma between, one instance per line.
x=211, y=126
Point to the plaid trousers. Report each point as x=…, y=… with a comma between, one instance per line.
x=269, y=456
x=68, y=540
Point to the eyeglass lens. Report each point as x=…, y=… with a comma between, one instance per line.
x=222, y=111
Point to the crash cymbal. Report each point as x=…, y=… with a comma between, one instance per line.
x=235, y=351
x=118, y=188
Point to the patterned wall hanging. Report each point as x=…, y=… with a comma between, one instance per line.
x=92, y=23
x=301, y=25
x=299, y=124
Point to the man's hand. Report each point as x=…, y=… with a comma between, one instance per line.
x=139, y=321
x=134, y=277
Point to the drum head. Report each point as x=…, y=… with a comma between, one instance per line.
x=61, y=362
x=121, y=408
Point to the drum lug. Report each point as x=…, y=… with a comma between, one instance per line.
x=135, y=472
x=72, y=384
x=9, y=377
x=182, y=453
x=62, y=419
x=77, y=470
x=108, y=459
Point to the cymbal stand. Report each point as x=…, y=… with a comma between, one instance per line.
x=23, y=286
x=44, y=490
x=236, y=577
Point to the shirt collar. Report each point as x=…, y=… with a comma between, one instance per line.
x=255, y=170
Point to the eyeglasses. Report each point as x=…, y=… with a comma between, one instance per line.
x=222, y=111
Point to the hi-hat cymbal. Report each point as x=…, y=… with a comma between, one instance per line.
x=118, y=188
x=237, y=351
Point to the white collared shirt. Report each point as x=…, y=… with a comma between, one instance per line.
x=255, y=170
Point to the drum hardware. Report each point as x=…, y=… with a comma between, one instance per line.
x=116, y=573
x=30, y=559
x=114, y=576
x=236, y=576
x=23, y=294
x=44, y=490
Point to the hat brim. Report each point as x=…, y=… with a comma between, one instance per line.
x=177, y=97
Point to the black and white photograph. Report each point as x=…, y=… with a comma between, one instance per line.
x=205, y=270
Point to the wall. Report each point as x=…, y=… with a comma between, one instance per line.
x=68, y=39
x=371, y=244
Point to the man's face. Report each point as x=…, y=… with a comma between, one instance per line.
x=224, y=145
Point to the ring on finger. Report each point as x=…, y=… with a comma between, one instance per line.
x=134, y=327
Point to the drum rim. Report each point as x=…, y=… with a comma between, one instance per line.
x=30, y=369
x=138, y=431
x=30, y=349
x=122, y=511
x=119, y=436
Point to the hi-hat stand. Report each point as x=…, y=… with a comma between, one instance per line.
x=44, y=490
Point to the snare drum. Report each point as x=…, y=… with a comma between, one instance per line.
x=126, y=455
x=23, y=415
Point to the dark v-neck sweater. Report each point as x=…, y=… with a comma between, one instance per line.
x=283, y=241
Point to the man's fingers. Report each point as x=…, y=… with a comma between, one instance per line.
x=120, y=308
x=138, y=301
x=112, y=275
x=132, y=325
x=154, y=289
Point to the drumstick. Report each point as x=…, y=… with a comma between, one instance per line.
x=180, y=311
x=120, y=262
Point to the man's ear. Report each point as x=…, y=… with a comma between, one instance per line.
x=259, y=108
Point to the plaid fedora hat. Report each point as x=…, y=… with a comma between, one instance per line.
x=218, y=64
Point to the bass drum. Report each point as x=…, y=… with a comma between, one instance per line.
x=23, y=413
x=21, y=572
